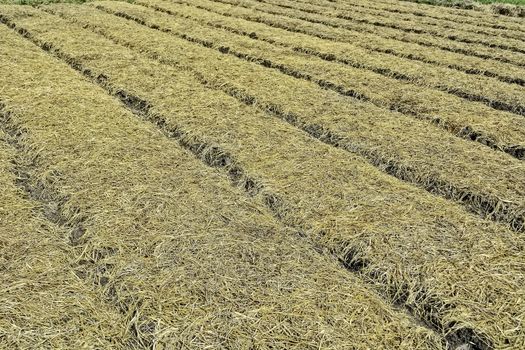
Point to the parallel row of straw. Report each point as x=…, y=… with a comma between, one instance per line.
x=419, y=19
x=461, y=117
x=394, y=46
x=411, y=150
x=413, y=246
x=503, y=71
x=343, y=30
x=183, y=259
x=470, y=120
x=42, y=303
x=501, y=96
x=475, y=18
x=389, y=27
x=435, y=51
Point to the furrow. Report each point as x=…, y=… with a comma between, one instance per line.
x=497, y=95
x=342, y=222
x=435, y=106
x=206, y=260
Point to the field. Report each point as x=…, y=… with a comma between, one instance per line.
x=506, y=10
x=261, y=174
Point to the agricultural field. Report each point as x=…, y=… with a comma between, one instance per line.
x=261, y=174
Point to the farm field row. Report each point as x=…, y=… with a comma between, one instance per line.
x=500, y=130
x=472, y=122
x=374, y=133
x=36, y=265
x=343, y=30
x=480, y=19
x=467, y=64
x=365, y=21
x=426, y=22
x=211, y=176
x=501, y=96
x=141, y=242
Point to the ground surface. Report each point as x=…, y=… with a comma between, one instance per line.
x=512, y=8
x=270, y=174
x=455, y=3
x=467, y=3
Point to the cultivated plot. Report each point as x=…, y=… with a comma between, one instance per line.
x=261, y=174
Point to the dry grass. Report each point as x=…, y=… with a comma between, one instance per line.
x=317, y=197
x=481, y=20
x=513, y=8
x=414, y=151
x=334, y=46
x=499, y=129
x=333, y=29
x=467, y=25
x=185, y=258
x=364, y=21
x=128, y=169
x=483, y=10
x=376, y=20
x=43, y=304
